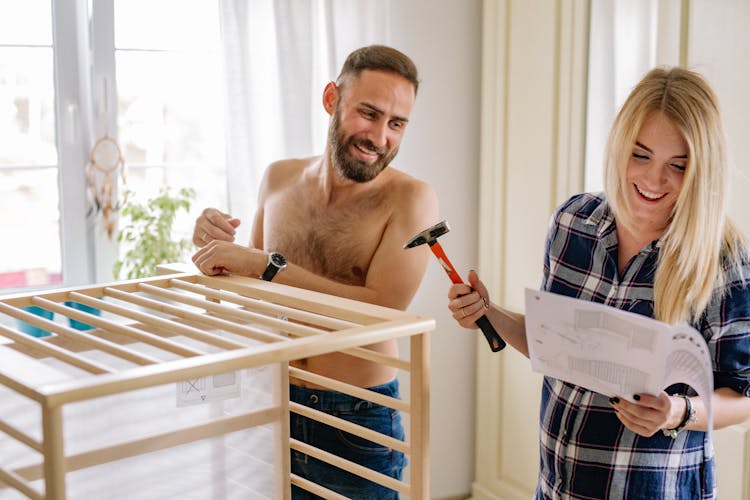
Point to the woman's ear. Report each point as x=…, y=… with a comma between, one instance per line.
x=330, y=96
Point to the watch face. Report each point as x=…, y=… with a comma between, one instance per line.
x=278, y=259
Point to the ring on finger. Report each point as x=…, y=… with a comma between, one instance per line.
x=463, y=313
x=485, y=302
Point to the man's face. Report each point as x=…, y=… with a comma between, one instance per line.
x=368, y=123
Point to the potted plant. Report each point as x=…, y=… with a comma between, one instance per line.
x=146, y=229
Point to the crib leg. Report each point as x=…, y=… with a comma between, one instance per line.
x=54, y=453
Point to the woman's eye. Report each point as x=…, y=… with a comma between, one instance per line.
x=640, y=156
x=677, y=166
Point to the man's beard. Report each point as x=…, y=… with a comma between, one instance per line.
x=355, y=169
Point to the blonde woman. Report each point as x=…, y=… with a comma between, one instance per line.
x=657, y=242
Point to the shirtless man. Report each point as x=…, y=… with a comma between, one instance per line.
x=341, y=220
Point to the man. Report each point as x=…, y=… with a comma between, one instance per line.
x=341, y=220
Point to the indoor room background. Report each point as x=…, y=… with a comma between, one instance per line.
x=516, y=97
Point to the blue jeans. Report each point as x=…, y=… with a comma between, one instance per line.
x=375, y=456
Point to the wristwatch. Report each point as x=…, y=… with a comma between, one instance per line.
x=687, y=418
x=276, y=262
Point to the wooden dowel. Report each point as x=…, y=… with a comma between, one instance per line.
x=265, y=307
x=292, y=328
x=159, y=441
x=350, y=466
x=20, y=436
x=352, y=390
x=54, y=351
x=185, y=330
x=315, y=488
x=279, y=324
x=140, y=335
x=245, y=331
x=15, y=481
x=357, y=430
x=86, y=338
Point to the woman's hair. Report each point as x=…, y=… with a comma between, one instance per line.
x=379, y=58
x=700, y=236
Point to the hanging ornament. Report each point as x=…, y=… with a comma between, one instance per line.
x=105, y=161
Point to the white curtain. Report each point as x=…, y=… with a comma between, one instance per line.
x=626, y=39
x=278, y=57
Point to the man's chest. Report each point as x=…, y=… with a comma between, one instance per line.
x=339, y=244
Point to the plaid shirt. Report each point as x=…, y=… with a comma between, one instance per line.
x=585, y=452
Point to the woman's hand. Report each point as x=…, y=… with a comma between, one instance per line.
x=469, y=302
x=649, y=414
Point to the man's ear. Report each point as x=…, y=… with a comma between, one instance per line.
x=330, y=96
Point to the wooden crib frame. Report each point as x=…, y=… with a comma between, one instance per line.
x=154, y=311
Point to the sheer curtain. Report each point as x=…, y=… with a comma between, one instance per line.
x=626, y=39
x=278, y=56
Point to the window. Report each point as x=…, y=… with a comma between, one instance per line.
x=30, y=253
x=145, y=72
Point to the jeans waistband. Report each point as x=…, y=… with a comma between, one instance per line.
x=338, y=401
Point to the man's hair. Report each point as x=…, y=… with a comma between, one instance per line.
x=700, y=238
x=379, y=58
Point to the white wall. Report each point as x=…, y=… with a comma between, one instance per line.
x=442, y=147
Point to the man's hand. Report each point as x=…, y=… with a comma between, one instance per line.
x=214, y=225
x=222, y=256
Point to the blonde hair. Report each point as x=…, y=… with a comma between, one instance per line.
x=700, y=235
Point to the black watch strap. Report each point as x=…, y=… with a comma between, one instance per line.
x=276, y=262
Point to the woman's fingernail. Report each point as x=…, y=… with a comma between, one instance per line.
x=614, y=400
x=636, y=397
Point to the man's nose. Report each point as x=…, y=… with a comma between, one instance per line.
x=379, y=134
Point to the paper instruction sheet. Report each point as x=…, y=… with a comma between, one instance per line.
x=614, y=352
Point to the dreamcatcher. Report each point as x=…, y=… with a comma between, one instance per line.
x=105, y=160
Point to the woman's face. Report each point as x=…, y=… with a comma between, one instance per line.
x=655, y=172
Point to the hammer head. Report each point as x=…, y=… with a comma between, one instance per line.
x=429, y=235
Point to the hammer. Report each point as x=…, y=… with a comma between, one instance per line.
x=430, y=236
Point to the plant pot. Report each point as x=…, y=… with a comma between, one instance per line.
x=78, y=325
x=32, y=330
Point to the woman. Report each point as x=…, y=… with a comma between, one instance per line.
x=658, y=242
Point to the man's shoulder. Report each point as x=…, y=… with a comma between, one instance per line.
x=283, y=173
x=405, y=187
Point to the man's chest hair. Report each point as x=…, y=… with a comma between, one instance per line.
x=338, y=244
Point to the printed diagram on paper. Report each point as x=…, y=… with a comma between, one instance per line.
x=613, y=352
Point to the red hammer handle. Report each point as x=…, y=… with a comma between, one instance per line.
x=495, y=341
x=440, y=254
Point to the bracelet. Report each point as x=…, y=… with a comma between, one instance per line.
x=688, y=417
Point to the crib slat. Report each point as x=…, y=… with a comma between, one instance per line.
x=12, y=479
x=350, y=466
x=352, y=390
x=157, y=321
x=54, y=351
x=64, y=331
x=280, y=324
x=244, y=330
x=265, y=307
x=349, y=427
x=20, y=436
x=143, y=336
x=315, y=488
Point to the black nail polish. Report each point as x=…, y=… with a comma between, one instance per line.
x=636, y=397
x=614, y=400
